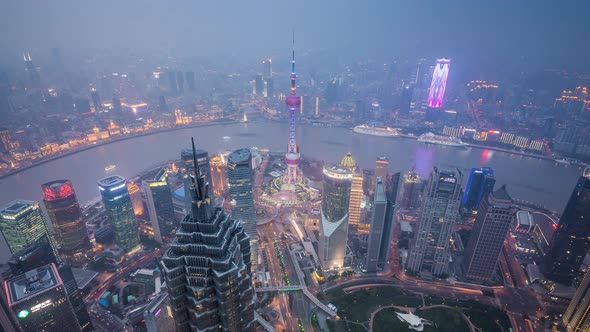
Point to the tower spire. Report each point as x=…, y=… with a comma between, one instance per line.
x=292, y=158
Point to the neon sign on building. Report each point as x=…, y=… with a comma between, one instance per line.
x=438, y=85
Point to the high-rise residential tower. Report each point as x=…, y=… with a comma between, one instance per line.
x=356, y=195
x=207, y=269
x=480, y=183
x=218, y=175
x=429, y=252
x=333, y=238
x=240, y=177
x=494, y=217
x=22, y=223
x=576, y=317
x=438, y=84
x=159, y=203
x=117, y=203
x=38, y=300
x=378, y=222
x=66, y=216
x=292, y=158
x=571, y=241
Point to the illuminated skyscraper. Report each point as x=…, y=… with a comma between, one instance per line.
x=576, y=317
x=136, y=200
x=411, y=190
x=189, y=167
x=207, y=268
x=218, y=175
x=39, y=254
x=481, y=182
x=66, y=216
x=334, y=216
x=571, y=241
x=95, y=100
x=159, y=203
x=356, y=195
x=22, y=223
x=438, y=85
x=38, y=300
x=240, y=177
x=494, y=217
x=429, y=252
x=292, y=158
x=117, y=203
x=381, y=169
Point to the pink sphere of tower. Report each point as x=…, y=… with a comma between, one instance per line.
x=293, y=101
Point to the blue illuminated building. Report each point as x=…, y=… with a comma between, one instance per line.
x=481, y=182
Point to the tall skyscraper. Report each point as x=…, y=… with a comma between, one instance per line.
x=172, y=85
x=571, y=241
x=356, y=195
x=95, y=100
x=159, y=203
x=391, y=193
x=190, y=80
x=32, y=73
x=481, y=182
x=203, y=161
x=239, y=175
x=429, y=251
x=267, y=67
x=22, y=223
x=218, y=175
x=207, y=268
x=136, y=199
x=576, y=317
x=378, y=222
x=411, y=190
x=158, y=314
x=180, y=81
x=381, y=169
x=39, y=254
x=117, y=203
x=259, y=85
x=292, y=158
x=65, y=214
x=438, y=84
x=38, y=299
x=334, y=216
x=494, y=217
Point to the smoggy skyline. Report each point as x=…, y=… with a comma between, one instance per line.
x=538, y=34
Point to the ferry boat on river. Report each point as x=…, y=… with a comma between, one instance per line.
x=441, y=140
x=376, y=130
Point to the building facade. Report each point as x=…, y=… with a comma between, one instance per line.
x=218, y=175
x=159, y=204
x=240, y=177
x=438, y=85
x=494, y=218
x=22, y=223
x=189, y=167
x=571, y=241
x=429, y=252
x=117, y=203
x=207, y=269
x=158, y=314
x=374, y=246
x=480, y=183
x=65, y=214
x=38, y=300
x=381, y=170
x=576, y=317
x=356, y=196
x=337, y=181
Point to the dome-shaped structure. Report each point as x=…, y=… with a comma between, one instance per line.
x=348, y=161
x=293, y=101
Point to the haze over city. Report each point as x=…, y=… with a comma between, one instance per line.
x=294, y=166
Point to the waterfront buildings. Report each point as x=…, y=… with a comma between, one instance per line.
x=480, y=183
x=39, y=254
x=576, y=317
x=38, y=300
x=218, y=175
x=337, y=181
x=356, y=195
x=240, y=177
x=22, y=223
x=159, y=203
x=571, y=241
x=494, y=218
x=208, y=270
x=66, y=216
x=378, y=221
x=436, y=93
x=117, y=203
x=429, y=252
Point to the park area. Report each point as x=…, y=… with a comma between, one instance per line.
x=357, y=308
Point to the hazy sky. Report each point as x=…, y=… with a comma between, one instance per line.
x=549, y=33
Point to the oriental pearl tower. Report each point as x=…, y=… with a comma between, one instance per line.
x=292, y=158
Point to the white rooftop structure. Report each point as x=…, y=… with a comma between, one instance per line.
x=415, y=322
